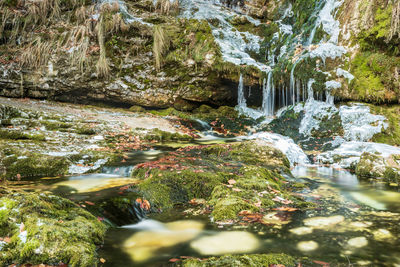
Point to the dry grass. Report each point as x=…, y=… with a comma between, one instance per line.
x=79, y=41
x=166, y=6
x=102, y=67
x=160, y=45
x=41, y=11
x=36, y=54
x=115, y=24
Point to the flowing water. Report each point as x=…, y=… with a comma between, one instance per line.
x=356, y=223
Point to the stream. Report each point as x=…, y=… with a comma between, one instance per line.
x=355, y=222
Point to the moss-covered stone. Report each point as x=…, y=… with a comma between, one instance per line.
x=34, y=165
x=231, y=178
x=375, y=166
x=19, y=135
x=163, y=136
x=46, y=229
x=391, y=135
x=256, y=260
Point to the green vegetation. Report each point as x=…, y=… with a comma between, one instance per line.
x=391, y=135
x=19, y=135
x=254, y=260
x=162, y=136
x=375, y=77
x=34, y=165
x=56, y=230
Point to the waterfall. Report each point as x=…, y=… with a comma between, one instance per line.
x=268, y=104
x=238, y=46
x=241, y=98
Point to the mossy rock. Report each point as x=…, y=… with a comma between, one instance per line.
x=230, y=177
x=137, y=109
x=184, y=105
x=163, y=136
x=254, y=260
x=56, y=230
x=20, y=135
x=166, y=189
x=391, y=135
x=34, y=165
x=228, y=207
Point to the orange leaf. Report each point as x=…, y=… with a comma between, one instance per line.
x=231, y=181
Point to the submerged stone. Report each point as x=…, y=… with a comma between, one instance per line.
x=144, y=245
x=307, y=246
x=301, y=230
x=358, y=242
x=383, y=235
x=323, y=222
x=226, y=242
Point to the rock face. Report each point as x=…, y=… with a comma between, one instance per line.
x=102, y=53
x=138, y=53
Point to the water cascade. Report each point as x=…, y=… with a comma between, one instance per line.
x=268, y=104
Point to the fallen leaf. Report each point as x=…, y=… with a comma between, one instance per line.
x=89, y=203
x=174, y=260
x=325, y=264
x=231, y=182
x=102, y=260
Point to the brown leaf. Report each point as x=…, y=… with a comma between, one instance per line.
x=102, y=260
x=231, y=182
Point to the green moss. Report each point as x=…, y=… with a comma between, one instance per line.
x=163, y=136
x=391, y=135
x=137, y=109
x=376, y=37
x=19, y=135
x=165, y=189
x=375, y=79
x=55, y=125
x=85, y=130
x=35, y=165
x=227, y=208
x=254, y=260
x=56, y=227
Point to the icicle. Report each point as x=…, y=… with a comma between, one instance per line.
x=241, y=98
x=310, y=90
x=298, y=91
x=268, y=96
